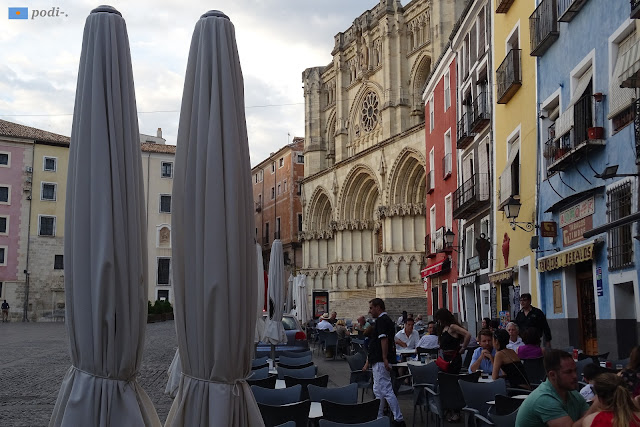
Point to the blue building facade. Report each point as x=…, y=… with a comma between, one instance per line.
x=587, y=266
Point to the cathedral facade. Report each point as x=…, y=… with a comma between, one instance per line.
x=364, y=188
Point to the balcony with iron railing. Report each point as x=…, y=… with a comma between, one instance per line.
x=431, y=181
x=562, y=153
x=472, y=196
x=636, y=128
x=509, y=76
x=635, y=9
x=568, y=9
x=465, y=137
x=446, y=166
x=543, y=27
x=481, y=113
x=503, y=6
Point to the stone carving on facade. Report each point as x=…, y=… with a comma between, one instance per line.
x=402, y=209
x=164, y=236
x=335, y=187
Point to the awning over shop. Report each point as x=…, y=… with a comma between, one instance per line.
x=567, y=257
x=501, y=276
x=574, y=198
x=470, y=279
x=437, y=268
x=620, y=98
x=631, y=66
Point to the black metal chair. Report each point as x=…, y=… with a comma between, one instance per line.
x=296, y=354
x=380, y=422
x=260, y=374
x=306, y=382
x=476, y=396
x=358, y=376
x=288, y=424
x=269, y=382
x=466, y=359
x=274, y=415
x=347, y=394
x=350, y=414
x=295, y=361
x=331, y=341
x=421, y=377
x=497, y=420
x=534, y=368
x=449, y=395
x=282, y=396
x=580, y=364
x=308, y=372
x=506, y=405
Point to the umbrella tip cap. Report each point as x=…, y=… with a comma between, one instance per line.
x=215, y=13
x=107, y=9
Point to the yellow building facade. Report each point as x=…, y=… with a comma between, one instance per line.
x=515, y=155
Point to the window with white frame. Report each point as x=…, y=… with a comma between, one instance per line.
x=447, y=90
x=447, y=163
x=620, y=99
x=448, y=215
x=164, y=270
x=165, y=203
x=273, y=192
x=281, y=162
x=279, y=189
x=5, y=159
x=46, y=225
x=48, y=191
x=301, y=159
x=3, y=255
x=284, y=186
x=469, y=245
x=4, y=224
x=50, y=164
x=432, y=227
x=167, y=170
x=273, y=167
x=431, y=115
x=5, y=194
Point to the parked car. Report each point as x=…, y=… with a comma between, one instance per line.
x=296, y=338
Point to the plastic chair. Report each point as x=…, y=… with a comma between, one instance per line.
x=363, y=379
x=322, y=336
x=306, y=382
x=288, y=424
x=294, y=361
x=497, y=420
x=580, y=364
x=476, y=396
x=534, y=368
x=295, y=366
x=260, y=374
x=269, y=382
x=282, y=396
x=347, y=394
x=350, y=414
x=421, y=377
x=331, y=341
x=295, y=354
x=466, y=359
x=308, y=372
x=259, y=362
x=448, y=395
x=380, y=422
x=274, y=415
x=506, y=405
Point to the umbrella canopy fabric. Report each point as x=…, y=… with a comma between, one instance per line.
x=290, y=294
x=175, y=372
x=105, y=239
x=273, y=330
x=302, y=304
x=214, y=255
x=260, y=270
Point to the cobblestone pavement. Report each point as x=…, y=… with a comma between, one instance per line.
x=35, y=357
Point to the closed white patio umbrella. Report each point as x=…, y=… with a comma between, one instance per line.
x=260, y=306
x=214, y=255
x=105, y=241
x=290, y=294
x=273, y=329
x=302, y=305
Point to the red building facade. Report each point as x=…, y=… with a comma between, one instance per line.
x=441, y=272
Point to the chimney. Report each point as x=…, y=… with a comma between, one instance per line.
x=159, y=133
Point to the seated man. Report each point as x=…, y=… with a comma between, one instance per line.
x=430, y=339
x=514, y=339
x=333, y=319
x=324, y=323
x=418, y=321
x=483, y=356
x=361, y=324
x=556, y=403
x=407, y=337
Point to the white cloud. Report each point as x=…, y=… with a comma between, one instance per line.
x=277, y=40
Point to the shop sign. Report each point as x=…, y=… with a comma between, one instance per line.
x=576, y=212
x=501, y=276
x=599, y=281
x=425, y=283
x=474, y=263
x=440, y=267
x=565, y=258
x=573, y=233
x=548, y=229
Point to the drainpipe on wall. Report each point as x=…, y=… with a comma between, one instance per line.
x=25, y=317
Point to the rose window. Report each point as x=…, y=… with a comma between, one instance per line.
x=370, y=112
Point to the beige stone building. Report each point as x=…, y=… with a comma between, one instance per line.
x=158, y=168
x=364, y=186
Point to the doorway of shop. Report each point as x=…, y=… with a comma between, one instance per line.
x=586, y=308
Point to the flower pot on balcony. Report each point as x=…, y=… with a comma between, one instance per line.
x=596, y=132
x=560, y=152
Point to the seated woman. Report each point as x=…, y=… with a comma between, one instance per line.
x=531, y=348
x=508, y=361
x=631, y=373
x=616, y=408
x=344, y=338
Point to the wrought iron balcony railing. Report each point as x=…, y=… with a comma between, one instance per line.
x=636, y=128
x=481, y=113
x=509, y=76
x=543, y=27
x=568, y=9
x=635, y=9
x=472, y=196
x=465, y=137
x=503, y=6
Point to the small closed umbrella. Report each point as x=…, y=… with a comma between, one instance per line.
x=302, y=305
x=260, y=302
x=290, y=294
x=214, y=255
x=105, y=239
x=273, y=330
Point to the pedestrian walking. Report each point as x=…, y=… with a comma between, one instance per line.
x=5, y=311
x=532, y=317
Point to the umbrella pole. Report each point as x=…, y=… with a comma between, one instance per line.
x=273, y=353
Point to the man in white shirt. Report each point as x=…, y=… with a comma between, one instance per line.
x=324, y=323
x=430, y=339
x=514, y=340
x=407, y=337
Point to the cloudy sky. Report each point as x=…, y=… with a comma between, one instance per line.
x=277, y=40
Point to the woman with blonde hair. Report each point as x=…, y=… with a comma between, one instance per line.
x=343, y=337
x=616, y=407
